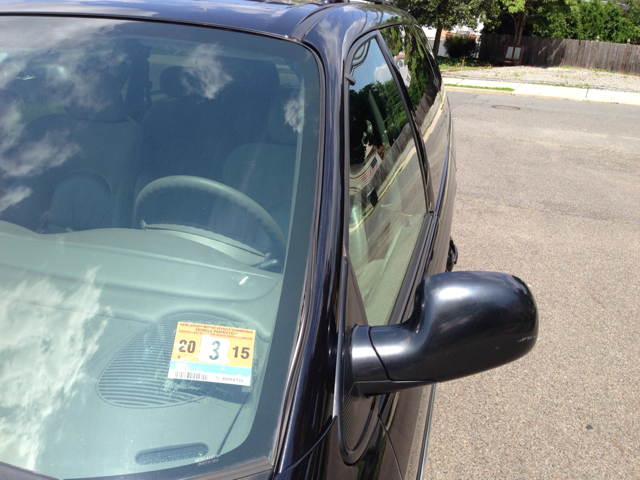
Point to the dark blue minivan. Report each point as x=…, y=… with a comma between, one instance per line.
x=225, y=243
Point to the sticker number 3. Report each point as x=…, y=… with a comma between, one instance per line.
x=214, y=350
x=215, y=346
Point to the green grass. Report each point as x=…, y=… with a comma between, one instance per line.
x=504, y=89
x=569, y=67
x=578, y=85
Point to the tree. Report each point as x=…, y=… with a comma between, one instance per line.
x=518, y=10
x=577, y=19
x=444, y=14
x=633, y=15
x=604, y=20
x=556, y=20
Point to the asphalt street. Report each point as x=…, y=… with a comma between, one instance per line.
x=549, y=190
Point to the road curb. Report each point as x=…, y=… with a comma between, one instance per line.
x=620, y=101
x=476, y=90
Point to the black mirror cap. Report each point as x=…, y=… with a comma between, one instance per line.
x=463, y=323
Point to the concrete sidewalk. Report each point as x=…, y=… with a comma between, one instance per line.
x=568, y=93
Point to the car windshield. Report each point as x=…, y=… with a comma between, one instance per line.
x=156, y=200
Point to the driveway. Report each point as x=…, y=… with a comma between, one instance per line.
x=549, y=190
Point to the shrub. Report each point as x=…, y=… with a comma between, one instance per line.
x=605, y=20
x=458, y=46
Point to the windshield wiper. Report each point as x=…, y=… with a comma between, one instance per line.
x=9, y=472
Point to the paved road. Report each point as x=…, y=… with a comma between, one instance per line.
x=549, y=190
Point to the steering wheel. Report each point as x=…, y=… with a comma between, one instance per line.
x=213, y=189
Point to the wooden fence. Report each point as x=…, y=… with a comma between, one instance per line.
x=617, y=57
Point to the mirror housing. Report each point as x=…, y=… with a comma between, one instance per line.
x=463, y=323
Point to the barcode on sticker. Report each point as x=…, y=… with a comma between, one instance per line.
x=189, y=375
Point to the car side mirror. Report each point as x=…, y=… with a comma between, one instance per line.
x=463, y=323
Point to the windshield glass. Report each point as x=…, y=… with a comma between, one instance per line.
x=156, y=194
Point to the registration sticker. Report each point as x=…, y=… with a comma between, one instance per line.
x=212, y=353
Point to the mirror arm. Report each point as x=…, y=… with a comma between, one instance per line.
x=365, y=374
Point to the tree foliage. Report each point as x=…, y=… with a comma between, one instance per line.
x=604, y=20
x=577, y=19
x=519, y=10
x=633, y=14
x=402, y=40
x=444, y=14
x=460, y=46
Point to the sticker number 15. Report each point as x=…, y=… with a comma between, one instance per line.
x=244, y=354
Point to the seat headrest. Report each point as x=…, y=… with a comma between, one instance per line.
x=201, y=82
x=259, y=76
x=177, y=82
x=96, y=95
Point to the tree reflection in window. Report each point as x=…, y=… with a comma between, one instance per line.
x=413, y=62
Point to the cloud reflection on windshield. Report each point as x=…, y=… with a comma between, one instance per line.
x=43, y=353
x=294, y=114
x=208, y=69
x=73, y=79
x=53, y=71
x=23, y=158
x=14, y=196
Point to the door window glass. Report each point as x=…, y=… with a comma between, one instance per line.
x=386, y=190
x=412, y=63
x=416, y=67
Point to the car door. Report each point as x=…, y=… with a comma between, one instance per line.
x=388, y=222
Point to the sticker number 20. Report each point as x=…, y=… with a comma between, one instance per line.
x=191, y=346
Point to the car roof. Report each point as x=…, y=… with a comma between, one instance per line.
x=275, y=18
